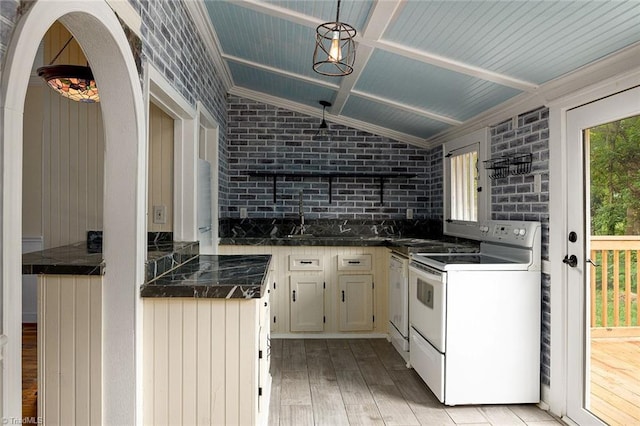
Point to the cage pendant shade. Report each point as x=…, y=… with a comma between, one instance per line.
x=335, y=51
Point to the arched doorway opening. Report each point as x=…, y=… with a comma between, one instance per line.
x=98, y=31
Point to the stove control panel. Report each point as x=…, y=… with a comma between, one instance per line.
x=519, y=233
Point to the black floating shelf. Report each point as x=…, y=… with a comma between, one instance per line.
x=330, y=176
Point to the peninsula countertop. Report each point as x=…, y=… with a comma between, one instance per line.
x=85, y=259
x=213, y=276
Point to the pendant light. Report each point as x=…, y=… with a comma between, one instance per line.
x=323, y=127
x=75, y=82
x=335, y=50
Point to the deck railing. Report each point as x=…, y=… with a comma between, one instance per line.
x=615, y=274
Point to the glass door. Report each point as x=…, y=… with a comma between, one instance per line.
x=603, y=249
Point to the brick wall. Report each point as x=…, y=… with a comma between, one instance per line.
x=171, y=43
x=514, y=197
x=8, y=18
x=262, y=137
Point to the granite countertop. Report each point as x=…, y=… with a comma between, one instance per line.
x=72, y=259
x=86, y=259
x=213, y=276
x=402, y=245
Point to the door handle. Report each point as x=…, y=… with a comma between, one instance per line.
x=343, y=295
x=294, y=296
x=571, y=260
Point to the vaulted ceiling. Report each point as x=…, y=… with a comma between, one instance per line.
x=422, y=67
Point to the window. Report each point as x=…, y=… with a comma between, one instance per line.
x=464, y=185
x=465, y=197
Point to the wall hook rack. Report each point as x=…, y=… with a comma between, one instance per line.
x=516, y=164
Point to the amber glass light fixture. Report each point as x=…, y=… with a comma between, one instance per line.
x=335, y=51
x=75, y=82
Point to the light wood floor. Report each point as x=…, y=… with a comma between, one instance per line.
x=365, y=382
x=615, y=380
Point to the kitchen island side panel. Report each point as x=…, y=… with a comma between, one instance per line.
x=200, y=361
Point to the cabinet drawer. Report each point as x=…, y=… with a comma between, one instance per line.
x=299, y=262
x=357, y=262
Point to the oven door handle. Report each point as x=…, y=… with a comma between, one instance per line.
x=427, y=274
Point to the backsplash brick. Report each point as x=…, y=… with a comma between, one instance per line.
x=266, y=138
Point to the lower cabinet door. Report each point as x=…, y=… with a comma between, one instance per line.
x=356, y=302
x=306, y=293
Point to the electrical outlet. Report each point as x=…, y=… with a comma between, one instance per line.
x=243, y=212
x=409, y=213
x=159, y=214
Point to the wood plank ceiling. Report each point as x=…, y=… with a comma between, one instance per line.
x=422, y=67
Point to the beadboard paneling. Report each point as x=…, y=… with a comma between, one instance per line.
x=72, y=155
x=160, y=188
x=32, y=160
x=70, y=349
x=200, y=361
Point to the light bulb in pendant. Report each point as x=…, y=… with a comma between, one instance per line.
x=335, y=53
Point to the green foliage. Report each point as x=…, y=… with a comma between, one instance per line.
x=615, y=177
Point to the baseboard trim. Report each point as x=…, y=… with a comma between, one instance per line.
x=329, y=336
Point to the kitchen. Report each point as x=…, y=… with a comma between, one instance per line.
x=531, y=120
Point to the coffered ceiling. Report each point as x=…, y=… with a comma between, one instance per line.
x=423, y=68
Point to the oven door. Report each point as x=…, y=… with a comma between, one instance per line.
x=427, y=303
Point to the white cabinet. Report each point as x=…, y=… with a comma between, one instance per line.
x=306, y=303
x=356, y=302
x=314, y=273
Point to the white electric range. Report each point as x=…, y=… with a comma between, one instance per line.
x=475, y=318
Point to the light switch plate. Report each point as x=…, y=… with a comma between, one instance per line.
x=537, y=184
x=409, y=213
x=160, y=214
x=243, y=212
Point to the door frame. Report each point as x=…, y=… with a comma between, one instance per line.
x=97, y=29
x=613, y=108
x=559, y=156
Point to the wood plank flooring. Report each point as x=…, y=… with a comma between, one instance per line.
x=615, y=380
x=29, y=372
x=365, y=382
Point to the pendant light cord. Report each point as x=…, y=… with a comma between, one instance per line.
x=61, y=50
x=338, y=13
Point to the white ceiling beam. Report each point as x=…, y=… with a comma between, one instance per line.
x=407, y=108
x=280, y=71
x=450, y=64
x=381, y=16
x=279, y=12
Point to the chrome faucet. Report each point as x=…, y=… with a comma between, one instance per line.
x=301, y=213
